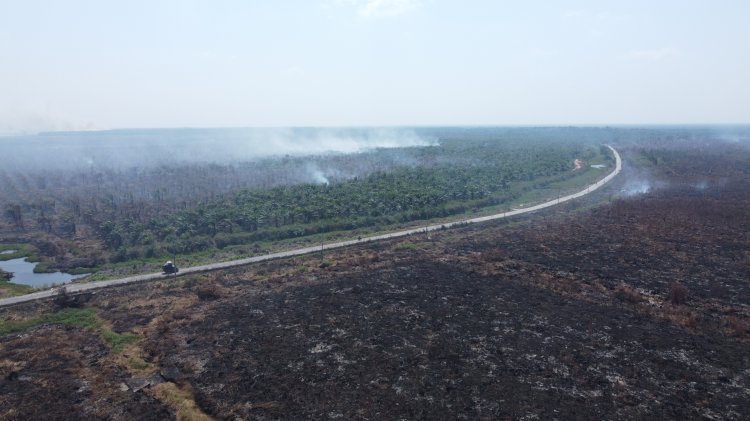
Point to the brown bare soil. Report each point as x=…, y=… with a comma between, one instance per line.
x=634, y=309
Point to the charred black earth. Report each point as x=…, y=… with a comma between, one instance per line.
x=427, y=341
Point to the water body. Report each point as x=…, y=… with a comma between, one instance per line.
x=23, y=273
x=7, y=252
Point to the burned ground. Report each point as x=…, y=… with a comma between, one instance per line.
x=59, y=373
x=698, y=238
x=639, y=249
x=432, y=341
x=569, y=313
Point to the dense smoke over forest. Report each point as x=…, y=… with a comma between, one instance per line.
x=120, y=149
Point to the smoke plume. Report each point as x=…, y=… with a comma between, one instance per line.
x=148, y=148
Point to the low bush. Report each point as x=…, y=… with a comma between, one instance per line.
x=208, y=292
x=678, y=293
x=625, y=292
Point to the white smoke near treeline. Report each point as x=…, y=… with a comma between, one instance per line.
x=639, y=181
x=317, y=176
x=158, y=147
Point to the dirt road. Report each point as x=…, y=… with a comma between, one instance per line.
x=73, y=288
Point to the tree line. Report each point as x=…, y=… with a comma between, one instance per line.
x=144, y=212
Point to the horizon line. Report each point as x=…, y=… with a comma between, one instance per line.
x=370, y=127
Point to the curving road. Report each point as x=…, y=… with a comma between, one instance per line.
x=73, y=288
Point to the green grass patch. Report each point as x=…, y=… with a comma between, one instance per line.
x=9, y=289
x=42, y=267
x=12, y=326
x=85, y=318
x=138, y=364
x=79, y=271
x=81, y=317
x=19, y=250
x=117, y=341
x=98, y=276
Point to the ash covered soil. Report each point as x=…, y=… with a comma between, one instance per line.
x=431, y=341
x=58, y=373
x=635, y=308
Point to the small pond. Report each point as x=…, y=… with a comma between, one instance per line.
x=23, y=273
x=7, y=252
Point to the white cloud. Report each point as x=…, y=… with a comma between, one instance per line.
x=650, y=55
x=294, y=71
x=381, y=8
x=601, y=17
x=387, y=8
x=570, y=14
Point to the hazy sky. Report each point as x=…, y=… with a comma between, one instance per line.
x=69, y=65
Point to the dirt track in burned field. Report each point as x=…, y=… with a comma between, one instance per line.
x=560, y=315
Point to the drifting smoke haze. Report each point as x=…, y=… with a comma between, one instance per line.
x=735, y=138
x=122, y=149
x=643, y=183
x=196, y=164
x=636, y=186
x=317, y=175
x=639, y=181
